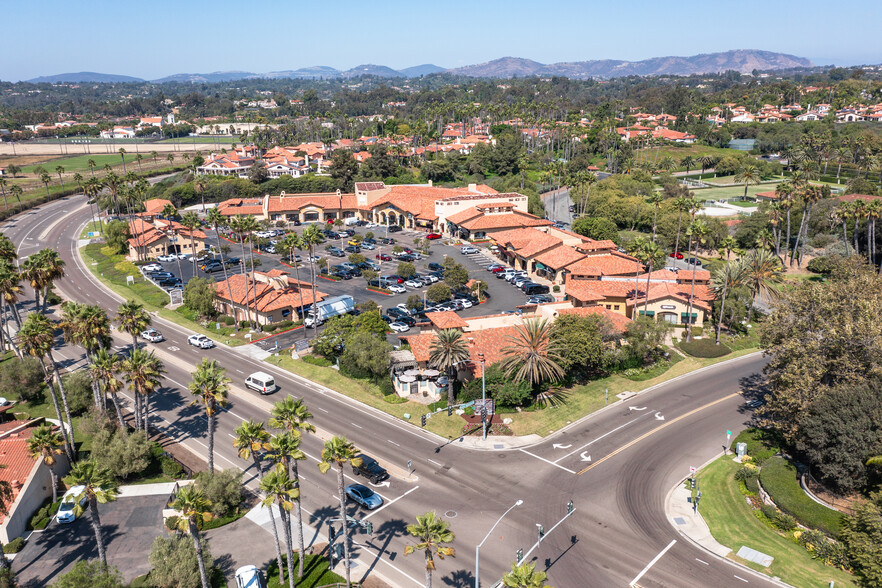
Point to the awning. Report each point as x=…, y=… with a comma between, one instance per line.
x=431, y=373
x=406, y=379
x=686, y=314
x=647, y=312
x=542, y=266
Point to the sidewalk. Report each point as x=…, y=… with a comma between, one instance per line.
x=684, y=518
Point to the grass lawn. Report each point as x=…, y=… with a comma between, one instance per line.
x=678, y=152
x=315, y=573
x=729, y=193
x=780, y=479
x=733, y=523
x=220, y=139
x=743, y=203
x=369, y=393
x=91, y=226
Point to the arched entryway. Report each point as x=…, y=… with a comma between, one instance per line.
x=669, y=317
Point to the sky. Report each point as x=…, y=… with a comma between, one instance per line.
x=162, y=37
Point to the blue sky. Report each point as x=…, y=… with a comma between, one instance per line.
x=162, y=37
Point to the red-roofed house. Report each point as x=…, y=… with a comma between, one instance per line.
x=162, y=236
x=29, y=478
x=274, y=296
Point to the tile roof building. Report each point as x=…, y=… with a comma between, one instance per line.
x=161, y=236
x=274, y=296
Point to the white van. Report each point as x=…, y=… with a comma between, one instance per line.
x=261, y=382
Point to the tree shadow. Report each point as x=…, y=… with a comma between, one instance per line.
x=225, y=564
x=459, y=579
x=553, y=398
x=383, y=535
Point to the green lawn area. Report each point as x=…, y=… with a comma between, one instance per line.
x=221, y=139
x=729, y=193
x=780, y=479
x=315, y=572
x=733, y=523
x=80, y=163
x=678, y=152
x=743, y=203
x=91, y=226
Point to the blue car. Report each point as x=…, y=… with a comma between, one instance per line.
x=364, y=496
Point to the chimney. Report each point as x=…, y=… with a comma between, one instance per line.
x=473, y=187
x=430, y=183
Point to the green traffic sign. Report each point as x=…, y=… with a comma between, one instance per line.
x=728, y=432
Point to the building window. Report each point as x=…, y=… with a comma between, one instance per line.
x=609, y=306
x=616, y=307
x=687, y=320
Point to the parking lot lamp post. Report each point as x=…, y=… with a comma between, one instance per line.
x=483, y=399
x=478, y=548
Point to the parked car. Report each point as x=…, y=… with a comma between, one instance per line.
x=170, y=283
x=468, y=250
x=436, y=267
x=269, y=249
x=364, y=496
x=494, y=267
x=151, y=267
x=166, y=258
x=161, y=275
x=414, y=283
x=497, y=271
x=433, y=236
x=407, y=320
x=335, y=252
x=353, y=249
x=396, y=288
x=232, y=261
x=676, y=255
x=540, y=299
x=399, y=327
x=694, y=261
x=200, y=341
x=384, y=257
x=369, y=468
x=394, y=228
x=387, y=241
x=428, y=279
x=396, y=312
x=249, y=577
x=368, y=246
x=152, y=335
x=537, y=290
x=66, y=512
x=395, y=279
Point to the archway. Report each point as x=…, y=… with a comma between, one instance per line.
x=401, y=220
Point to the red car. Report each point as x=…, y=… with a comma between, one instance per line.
x=496, y=270
x=677, y=255
x=432, y=236
x=384, y=257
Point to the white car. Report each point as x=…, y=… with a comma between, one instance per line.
x=200, y=341
x=468, y=250
x=368, y=246
x=152, y=335
x=68, y=504
x=414, y=283
x=152, y=267
x=403, y=307
x=182, y=256
x=397, y=288
x=166, y=258
x=248, y=577
x=466, y=302
x=399, y=327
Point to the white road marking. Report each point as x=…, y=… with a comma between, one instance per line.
x=436, y=463
x=321, y=409
x=702, y=561
x=393, y=443
x=357, y=426
x=652, y=563
x=742, y=579
x=598, y=439
x=372, y=513
x=548, y=461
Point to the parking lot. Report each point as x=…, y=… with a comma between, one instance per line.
x=501, y=295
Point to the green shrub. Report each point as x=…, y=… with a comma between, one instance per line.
x=704, y=348
x=244, y=324
x=285, y=325
x=171, y=468
x=394, y=399
x=555, y=288
x=769, y=511
x=171, y=523
x=752, y=485
x=780, y=479
x=223, y=490
x=42, y=517
x=745, y=473
x=698, y=331
x=784, y=521
x=227, y=320
x=14, y=546
x=269, y=328
x=824, y=264
x=319, y=361
x=760, y=446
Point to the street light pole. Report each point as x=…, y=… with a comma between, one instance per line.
x=478, y=548
x=483, y=400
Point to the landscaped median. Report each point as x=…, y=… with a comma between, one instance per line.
x=728, y=507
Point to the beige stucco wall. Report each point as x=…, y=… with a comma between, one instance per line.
x=36, y=489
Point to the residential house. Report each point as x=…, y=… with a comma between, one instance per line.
x=272, y=296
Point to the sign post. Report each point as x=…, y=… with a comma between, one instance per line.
x=728, y=438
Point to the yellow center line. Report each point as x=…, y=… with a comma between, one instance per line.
x=656, y=430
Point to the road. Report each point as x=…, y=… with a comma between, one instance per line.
x=638, y=450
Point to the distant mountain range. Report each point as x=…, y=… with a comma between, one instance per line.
x=742, y=60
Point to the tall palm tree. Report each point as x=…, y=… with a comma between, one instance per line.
x=60, y=170
x=655, y=199
x=44, y=443
x=761, y=272
x=143, y=372
x=91, y=163
x=697, y=231
x=46, y=178
x=531, y=355
x=99, y=485
x=747, y=175
x=447, y=350
x=103, y=369
x=727, y=247
x=311, y=237
x=339, y=451
x=279, y=489
x=52, y=269
x=195, y=509
x=210, y=386
x=138, y=158
x=122, y=153
x=216, y=219
x=191, y=220
x=133, y=319
x=290, y=243
x=88, y=327
x=524, y=575
x=292, y=414
x=10, y=287
x=3, y=183
x=652, y=255
x=681, y=205
x=17, y=191
x=431, y=533
x=688, y=162
x=36, y=337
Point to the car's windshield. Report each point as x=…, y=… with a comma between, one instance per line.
x=67, y=505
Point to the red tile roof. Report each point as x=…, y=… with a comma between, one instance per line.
x=155, y=205
x=607, y=264
x=14, y=455
x=490, y=342
x=560, y=257
x=446, y=320
x=245, y=291
x=619, y=321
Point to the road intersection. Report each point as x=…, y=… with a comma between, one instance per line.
x=617, y=465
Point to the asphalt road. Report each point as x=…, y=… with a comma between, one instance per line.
x=619, y=525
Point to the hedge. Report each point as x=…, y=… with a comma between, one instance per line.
x=14, y=546
x=319, y=361
x=704, y=348
x=781, y=480
x=759, y=446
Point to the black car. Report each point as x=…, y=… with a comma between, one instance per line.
x=407, y=320
x=389, y=320
x=370, y=469
x=437, y=274
x=156, y=276
x=232, y=261
x=353, y=249
x=372, y=241
x=694, y=261
x=349, y=232
x=395, y=312
x=436, y=267
x=394, y=228
x=170, y=283
x=355, y=271
x=215, y=267
x=387, y=241
x=406, y=257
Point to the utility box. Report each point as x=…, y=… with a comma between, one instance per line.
x=740, y=449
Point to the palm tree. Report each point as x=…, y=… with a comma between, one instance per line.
x=195, y=509
x=311, y=237
x=697, y=231
x=36, y=337
x=122, y=153
x=88, y=327
x=655, y=199
x=3, y=183
x=786, y=199
x=210, y=385
x=138, y=158
x=681, y=205
x=103, y=370
x=215, y=219
x=688, y=162
x=132, y=319
x=727, y=247
x=191, y=220
x=143, y=372
x=289, y=243
x=251, y=439
x=41, y=270
x=291, y=414
x=748, y=174
x=279, y=489
x=99, y=485
x=447, y=350
x=761, y=271
x=339, y=451
x=10, y=287
x=652, y=254
x=17, y=192
x=525, y=576
x=46, y=178
x=431, y=534
x=46, y=444
x=91, y=163
x=708, y=161
x=60, y=170
x=531, y=355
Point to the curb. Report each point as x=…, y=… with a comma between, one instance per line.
x=731, y=562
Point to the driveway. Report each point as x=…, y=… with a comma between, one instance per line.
x=129, y=526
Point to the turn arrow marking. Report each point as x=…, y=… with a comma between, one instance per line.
x=585, y=457
x=636, y=408
x=659, y=417
x=558, y=446
x=381, y=485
